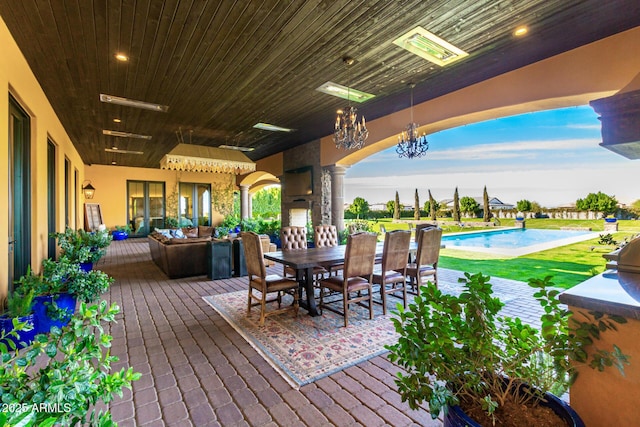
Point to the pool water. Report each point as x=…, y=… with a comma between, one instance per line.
x=507, y=239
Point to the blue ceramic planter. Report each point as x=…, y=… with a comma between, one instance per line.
x=44, y=321
x=455, y=416
x=86, y=266
x=25, y=338
x=119, y=235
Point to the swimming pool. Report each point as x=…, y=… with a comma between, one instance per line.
x=515, y=241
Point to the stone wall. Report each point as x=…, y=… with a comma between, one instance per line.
x=295, y=158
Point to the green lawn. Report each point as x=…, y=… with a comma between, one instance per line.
x=569, y=265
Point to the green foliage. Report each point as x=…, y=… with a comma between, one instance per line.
x=396, y=207
x=65, y=276
x=358, y=225
x=124, y=228
x=634, y=208
x=607, y=239
x=523, y=205
x=432, y=208
x=64, y=374
x=359, y=207
x=19, y=304
x=456, y=206
x=390, y=207
x=598, y=202
x=81, y=246
x=486, y=212
x=469, y=205
x=482, y=357
x=266, y=203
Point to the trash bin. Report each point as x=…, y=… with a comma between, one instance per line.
x=219, y=259
x=239, y=264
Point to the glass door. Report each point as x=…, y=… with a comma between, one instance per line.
x=145, y=206
x=19, y=192
x=195, y=204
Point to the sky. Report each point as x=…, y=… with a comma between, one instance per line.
x=550, y=157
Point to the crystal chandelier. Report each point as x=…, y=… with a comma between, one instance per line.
x=348, y=133
x=410, y=143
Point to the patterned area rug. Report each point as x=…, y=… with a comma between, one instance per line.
x=304, y=348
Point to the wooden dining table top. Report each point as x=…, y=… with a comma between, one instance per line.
x=307, y=258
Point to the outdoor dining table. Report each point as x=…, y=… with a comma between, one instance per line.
x=303, y=261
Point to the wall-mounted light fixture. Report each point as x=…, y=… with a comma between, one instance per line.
x=88, y=190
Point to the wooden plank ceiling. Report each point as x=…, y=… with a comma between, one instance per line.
x=223, y=66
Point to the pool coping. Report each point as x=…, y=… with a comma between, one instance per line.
x=516, y=252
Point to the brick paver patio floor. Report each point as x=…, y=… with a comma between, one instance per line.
x=198, y=371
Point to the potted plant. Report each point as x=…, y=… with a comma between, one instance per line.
x=59, y=287
x=82, y=247
x=65, y=377
x=121, y=232
x=17, y=323
x=461, y=357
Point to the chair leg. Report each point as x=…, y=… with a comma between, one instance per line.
x=345, y=297
x=383, y=295
x=371, y=302
x=263, y=308
x=249, y=300
x=404, y=295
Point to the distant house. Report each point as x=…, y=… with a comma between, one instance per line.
x=494, y=204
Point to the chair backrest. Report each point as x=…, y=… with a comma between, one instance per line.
x=360, y=254
x=396, y=250
x=429, y=241
x=325, y=236
x=253, y=254
x=293, y=238
x=424, y=226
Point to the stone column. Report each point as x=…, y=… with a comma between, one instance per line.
x=337, y=195
x=244, y=202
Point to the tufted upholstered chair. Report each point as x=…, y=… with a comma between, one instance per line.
x=263, y=283
x=391, y=276
x=294, y=239
x=359, y=257
x=426, y=264
x=326, y=236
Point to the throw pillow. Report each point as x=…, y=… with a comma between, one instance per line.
x=190, y=231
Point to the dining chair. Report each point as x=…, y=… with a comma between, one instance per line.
x=326, y=236
x=294, y=238
x=391, y=276
x=265, y=283
x=422, y=226
x=356, y=276
x=427, y=254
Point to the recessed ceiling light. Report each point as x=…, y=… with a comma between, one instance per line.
x=344, y=92
x=124, y=134
x=133, y=103
x=113, y=162
x=115, y=150
x=430, y=47
x=116, y=120
x=121, y=57
x=520, y=31
x=236, y=147
x=273, y=128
